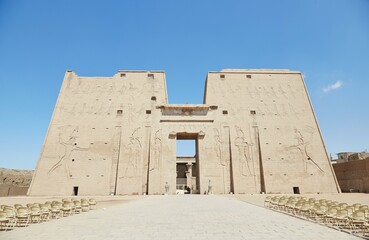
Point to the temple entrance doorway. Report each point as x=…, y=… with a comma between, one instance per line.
x=187, y=180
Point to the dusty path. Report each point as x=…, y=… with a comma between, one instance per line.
x=178, y=217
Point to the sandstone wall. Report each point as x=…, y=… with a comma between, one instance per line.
x=255, y=132
x=353, y=175
x=14, y=182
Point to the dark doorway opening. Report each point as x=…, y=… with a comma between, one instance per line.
x=187, y=179
x=296, y=190
x=75, y=191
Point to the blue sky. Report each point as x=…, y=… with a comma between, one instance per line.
x=39, y=40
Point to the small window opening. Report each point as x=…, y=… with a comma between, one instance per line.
x=153, y=98
x=222, y=76
x=248, y=76
x=150, y=76
x=225, y=112
x=123, y=75
x=73, y=160
x=296, y=190
x=213, y=107
x=253, y=112
x=119, y=112
x=148, y=111
x=75, y=144
x=75, y=191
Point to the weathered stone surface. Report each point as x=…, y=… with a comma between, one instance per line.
x=255, y=132
x=14, y=182
x=353, y=175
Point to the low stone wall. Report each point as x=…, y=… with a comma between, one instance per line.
x=8, y=190
x=353, y=176
x=14, y=182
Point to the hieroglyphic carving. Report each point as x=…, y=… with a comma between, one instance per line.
x=122, y=89
x=292, y=91
x=67, y=138
x=156, y=152
x=134, y=154
x=282, y=91
x=135, y=112
x=250, y=94
x=111, y=88
x=100, y=109
x=302, y=146
x=110, y=107
x=218, y=147
x=265, y=91
x=273, y=92
x=73, y=109
x=243, y=152
x=82, y=109
x=258, y=92
x=293, y=111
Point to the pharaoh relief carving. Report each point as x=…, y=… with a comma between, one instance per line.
x=133, y=150
x=243, y=152
x=218, y=147
x=303, y=140
x=67, y=139
x=156, y=152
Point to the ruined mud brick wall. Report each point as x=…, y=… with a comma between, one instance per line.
x=353, y=175
x=14, y=182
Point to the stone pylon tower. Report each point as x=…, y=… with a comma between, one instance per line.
x=255, y=132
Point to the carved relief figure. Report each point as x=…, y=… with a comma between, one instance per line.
x=67, y=138
x=243, y=152
x=134, y=153
x=281, y=91
x=156, y=153
x=303, y=147
x=218, y=147
x=135, y=114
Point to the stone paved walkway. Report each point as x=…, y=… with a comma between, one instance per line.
x=178, y=217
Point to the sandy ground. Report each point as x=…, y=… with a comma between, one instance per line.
x=179, y=217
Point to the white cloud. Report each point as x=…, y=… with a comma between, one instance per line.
x=333, y=86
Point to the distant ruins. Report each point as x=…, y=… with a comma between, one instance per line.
x=14, y=182
x=352, y=171
x=255, y=132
